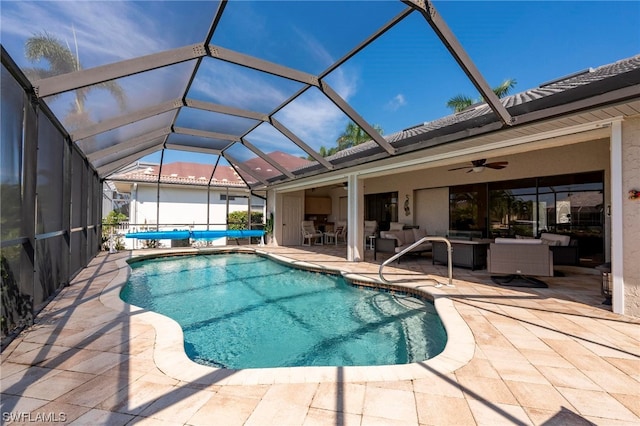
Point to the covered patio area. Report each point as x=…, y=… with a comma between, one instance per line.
x=535, y=356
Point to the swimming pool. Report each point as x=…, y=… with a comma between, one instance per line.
x=247, y=311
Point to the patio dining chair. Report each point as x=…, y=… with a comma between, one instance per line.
x=339, y=232
x=370, y=228
x=310, y=234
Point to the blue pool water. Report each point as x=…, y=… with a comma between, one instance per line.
x=247, y=311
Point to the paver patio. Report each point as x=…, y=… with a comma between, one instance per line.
x=539, y=356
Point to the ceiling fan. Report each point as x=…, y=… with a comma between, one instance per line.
x=479, y=165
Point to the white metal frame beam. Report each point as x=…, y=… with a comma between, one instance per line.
x=356, y=118
x=97, y=154
x=223, y=109
x=261, y=65
x=266, y=158
x=449, y=40
x=83, y=78
x=123, y=120
x=306, y=148
x=190, y=148
x=206, y=134
x=115, y=165
x=237, y=164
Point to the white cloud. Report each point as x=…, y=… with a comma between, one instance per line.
x=228, y=84
x=314, y=119
x=312, y=116
x=396, y=102
x=105, y=31
x=110, y=31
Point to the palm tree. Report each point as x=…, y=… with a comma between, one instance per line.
x=461, y=102
x=353, y=135
x=61, y=60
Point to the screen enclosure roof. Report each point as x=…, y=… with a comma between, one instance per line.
x=273, y=90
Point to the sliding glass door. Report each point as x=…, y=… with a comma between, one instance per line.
x=565, y=204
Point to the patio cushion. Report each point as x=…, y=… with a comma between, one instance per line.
x=403, y=239
x=398, y=236
x=550, y=242
x=532, y=241
x=555, y=239
x=418, y=233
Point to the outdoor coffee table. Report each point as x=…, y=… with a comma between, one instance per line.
x=465, y=253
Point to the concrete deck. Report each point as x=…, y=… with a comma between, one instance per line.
x=553, y=356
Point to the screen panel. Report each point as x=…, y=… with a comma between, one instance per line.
x=295, y=34
x=50, y=177
x=11, y=215
x=229, y=84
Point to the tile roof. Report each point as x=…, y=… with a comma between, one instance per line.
x=577, y=86
x=181, y=172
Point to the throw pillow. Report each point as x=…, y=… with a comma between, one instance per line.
x=395, y=236
x=563, y=240
x=396, y=226
x=419, y=233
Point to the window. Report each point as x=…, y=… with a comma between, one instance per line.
x=467, y=211
x=513, y=208
x=223, y=197
x=564, y=204
x=382, y=208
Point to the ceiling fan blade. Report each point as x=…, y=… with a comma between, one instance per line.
x=497, y=165
x=459, y=168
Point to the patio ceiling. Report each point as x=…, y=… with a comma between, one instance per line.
x=175, y=99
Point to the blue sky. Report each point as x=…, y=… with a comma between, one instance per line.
x=404, y=78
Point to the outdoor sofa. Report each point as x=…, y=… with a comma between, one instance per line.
x=565, y=249
x=518, y=260
x=397, y=238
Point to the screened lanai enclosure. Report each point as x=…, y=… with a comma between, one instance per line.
x=218, y=102
x=82, y=103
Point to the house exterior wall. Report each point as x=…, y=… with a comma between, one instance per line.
x=631, y=215
x=593, y=155
x=182, y=206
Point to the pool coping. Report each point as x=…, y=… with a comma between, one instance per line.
x=170, y=357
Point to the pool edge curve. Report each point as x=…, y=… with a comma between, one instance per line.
x=170, y=357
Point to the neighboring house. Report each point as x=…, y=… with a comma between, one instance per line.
x=184, y=195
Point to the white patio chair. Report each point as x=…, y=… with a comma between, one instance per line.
x=370, y=228
x=339, y=232
x=309, y=233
